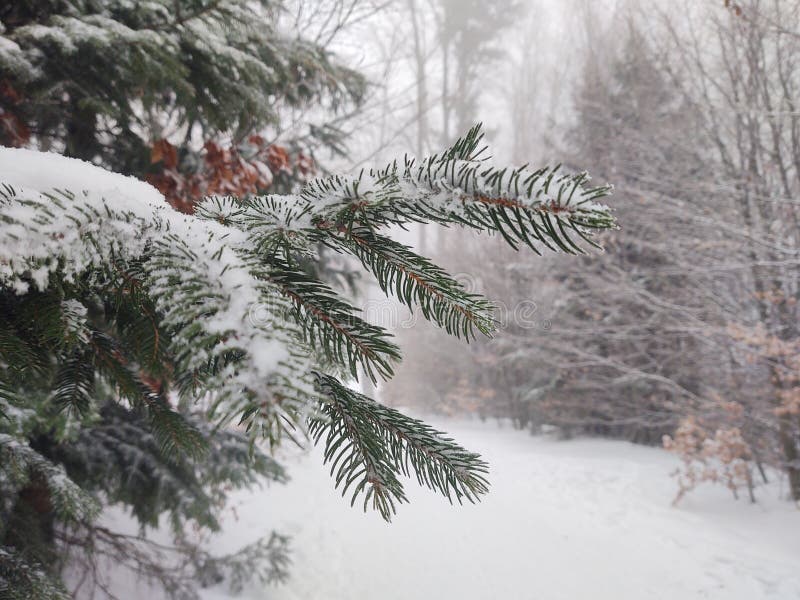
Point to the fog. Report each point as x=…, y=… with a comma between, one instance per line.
x=633, y=385
x=681, y=335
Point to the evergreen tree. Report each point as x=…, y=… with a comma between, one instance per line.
x=115, y=305
x=183, y=93
x=178, y=92
x=78, y=72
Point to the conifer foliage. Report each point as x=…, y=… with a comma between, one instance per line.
x=189, y=95
x=115, y=301
x=75, y=72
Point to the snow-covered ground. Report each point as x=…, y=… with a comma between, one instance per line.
x=564, y=520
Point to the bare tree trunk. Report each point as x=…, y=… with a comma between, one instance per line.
x=420, y=65
x=445, y=92
x=790, y=454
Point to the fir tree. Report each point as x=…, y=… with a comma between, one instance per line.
x=182, y=93
x=78, y=72
x=113, y=302
x=146, y=89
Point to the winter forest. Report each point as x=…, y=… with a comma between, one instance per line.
x=400, y=299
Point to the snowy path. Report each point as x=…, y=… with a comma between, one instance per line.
x=564, y=521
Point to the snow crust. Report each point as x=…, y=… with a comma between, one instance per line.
x=564, y=520
x=103, y=214
x=45, y=171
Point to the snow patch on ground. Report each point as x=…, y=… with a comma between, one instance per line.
x=565, y=520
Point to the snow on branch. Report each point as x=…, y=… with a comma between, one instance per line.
x=368, y=443
x=232, y=316
x=63, y=218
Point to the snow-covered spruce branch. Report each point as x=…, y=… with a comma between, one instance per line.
x=367, y=444
x=68, y=500
x=331, y=324
x=528, y=207
x=193, y=270
x=534, y=208
x=20, y=579
x=219, y=305
x=416, y=281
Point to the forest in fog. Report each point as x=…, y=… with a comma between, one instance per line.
x=269, y=268
x=685, y=331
